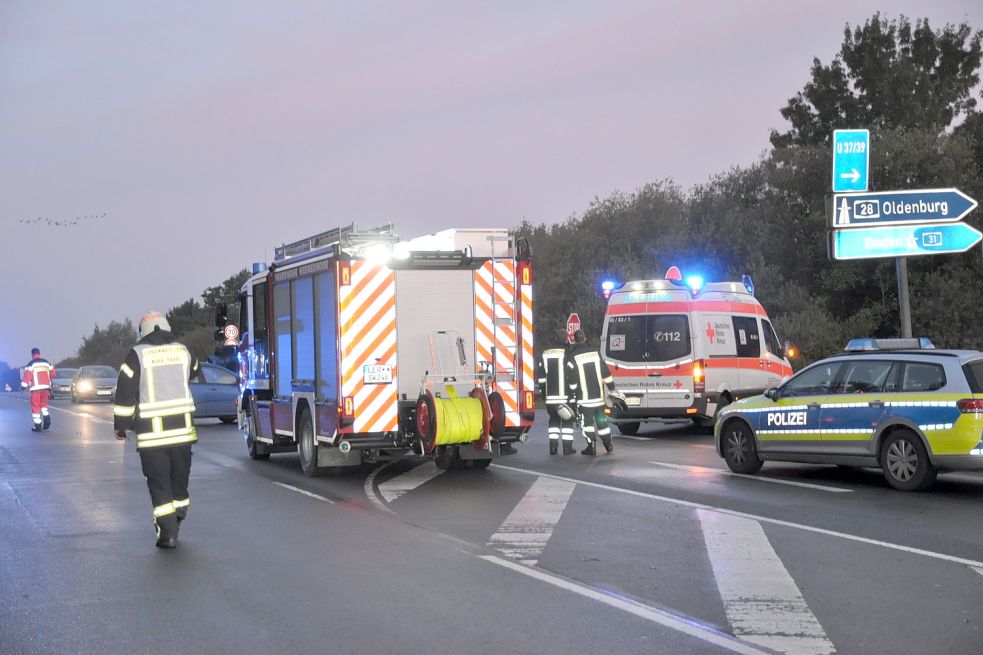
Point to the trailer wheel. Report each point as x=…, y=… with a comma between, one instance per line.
x=443, y=458
x=307, y=446
x=477, y=463
x=426, y=422
x=497, y=423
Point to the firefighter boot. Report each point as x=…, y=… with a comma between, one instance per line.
x=568, y=448
x=589, y=450
x=166, y=531
x=553, y=446
x=46, y=422
x=36, y=428
x=606, y=440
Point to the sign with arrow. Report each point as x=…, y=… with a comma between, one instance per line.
x=903, y=240
x=851, y=160
x=899, y=207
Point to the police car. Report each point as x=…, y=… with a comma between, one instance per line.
x=897, y=404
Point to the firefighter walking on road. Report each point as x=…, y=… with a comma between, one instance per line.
x=554, y=373
x=592, y=382
x=153, y=399
x=37, y=380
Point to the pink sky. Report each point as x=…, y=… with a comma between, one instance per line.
x=210, y=132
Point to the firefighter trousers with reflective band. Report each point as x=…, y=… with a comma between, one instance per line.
x=39, y=404
x=167, y=470
x=557, y=426
x=595, y=424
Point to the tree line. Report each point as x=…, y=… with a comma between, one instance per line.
x=912, y=86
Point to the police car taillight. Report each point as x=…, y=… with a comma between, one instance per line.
x=970, y=405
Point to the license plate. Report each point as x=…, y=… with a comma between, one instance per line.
x=105, y=392
x=633, y=401
x=377, y=374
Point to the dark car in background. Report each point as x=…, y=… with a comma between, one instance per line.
x=94, y=383
x=216, y=393
x=61, y=384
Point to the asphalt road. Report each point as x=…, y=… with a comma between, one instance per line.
x=652, y=549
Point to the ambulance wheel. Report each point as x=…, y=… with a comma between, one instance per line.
x=905, y=462
x=740, y=452
x=307, y=445
x=629, y=429
x=256, y=450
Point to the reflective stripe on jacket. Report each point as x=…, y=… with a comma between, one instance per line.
x=592, y=377
x=554, y=369
x=37, y=375
x=152, y=394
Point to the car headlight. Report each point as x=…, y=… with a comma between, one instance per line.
x=85, y=386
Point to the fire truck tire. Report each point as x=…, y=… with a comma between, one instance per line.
x=256, y=450
x=307, y=446
x=497, y=405
x=477, y=463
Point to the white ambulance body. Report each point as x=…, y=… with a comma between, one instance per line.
x=357, y=345
x=684, y=351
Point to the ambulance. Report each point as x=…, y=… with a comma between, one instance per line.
x=683, y=348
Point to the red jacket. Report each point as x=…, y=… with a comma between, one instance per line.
x=38, y=374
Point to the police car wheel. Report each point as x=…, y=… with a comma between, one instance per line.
x=905, y=462
x=739, y=448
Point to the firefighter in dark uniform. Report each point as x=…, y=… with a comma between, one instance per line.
x=554, y=370
x=153, y=399
x=591, y=383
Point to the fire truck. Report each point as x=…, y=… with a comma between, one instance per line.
x=358, y=346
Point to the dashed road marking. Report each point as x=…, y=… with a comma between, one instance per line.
x=681, y=624
x=761, y=600
x=524, y=534
x=792, y=483
x=304, y=492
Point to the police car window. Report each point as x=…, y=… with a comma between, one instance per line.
x=773, y=345
x=866, y=376
x=746, y=336
x=217, y=376
x=922, y=377
x=813, y=381
x=974, y=375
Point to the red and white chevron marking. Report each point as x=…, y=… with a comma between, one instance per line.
x=367, y=317
x=498, y=336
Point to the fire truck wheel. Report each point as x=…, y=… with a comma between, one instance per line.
x=477, y=463
x=307, y=446
x=497, y=406
x=256, y=451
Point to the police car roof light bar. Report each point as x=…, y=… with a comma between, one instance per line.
x=918, y=343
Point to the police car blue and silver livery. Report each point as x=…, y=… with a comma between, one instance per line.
x=897, y=404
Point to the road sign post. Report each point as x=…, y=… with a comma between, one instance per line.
x=573, y=324
x=851, y=160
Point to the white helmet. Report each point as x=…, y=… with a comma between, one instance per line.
x=565, y=412
x=151, y=322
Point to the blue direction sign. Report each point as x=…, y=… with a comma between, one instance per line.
x=851, y=160
x=899, y=207
x=903, y=240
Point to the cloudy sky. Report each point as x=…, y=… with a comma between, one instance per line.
x=150, y=150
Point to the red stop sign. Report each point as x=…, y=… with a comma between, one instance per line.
x=573, y=324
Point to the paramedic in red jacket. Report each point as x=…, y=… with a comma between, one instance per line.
x=37, y=379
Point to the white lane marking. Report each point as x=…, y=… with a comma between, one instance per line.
x=370, y=493
x=393, y=489
x=633, y=438
x=84, y=415
x=978, y=569
x=764, y=519
x=303, y=492
x=524, y=534
x=690, y=627
x=761, y=600
x=793, y=483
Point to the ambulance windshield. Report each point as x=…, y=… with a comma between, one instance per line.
x=648, y=338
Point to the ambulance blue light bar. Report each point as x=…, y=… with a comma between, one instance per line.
x=694, y=282
x=607, y=286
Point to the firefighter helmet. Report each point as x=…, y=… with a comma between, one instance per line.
x=151, y=322
x=565, y=412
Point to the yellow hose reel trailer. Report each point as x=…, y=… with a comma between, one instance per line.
x=453, y=420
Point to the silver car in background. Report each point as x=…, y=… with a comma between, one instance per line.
x=94, y=383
